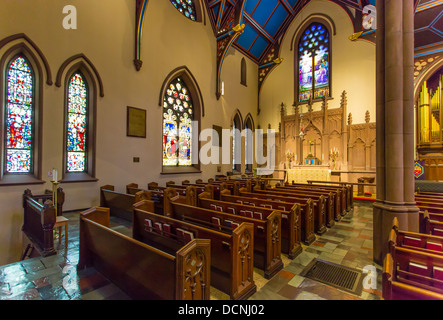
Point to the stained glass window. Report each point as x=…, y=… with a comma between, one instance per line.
x=177, y=125
x=77, y=117
x=313, y=53
x=186, y=7
x=19, y=118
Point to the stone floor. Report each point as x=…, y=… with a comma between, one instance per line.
x=348, y=243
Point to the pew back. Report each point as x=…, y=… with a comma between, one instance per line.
x=142, y=271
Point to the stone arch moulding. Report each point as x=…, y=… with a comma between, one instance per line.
x=437, y=64
x=316, y=17
x=240, y=118
x=190, y=80
x=22, y=41
x=82, y=60
x=249, y=118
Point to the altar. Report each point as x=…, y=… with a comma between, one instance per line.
x=301, y=174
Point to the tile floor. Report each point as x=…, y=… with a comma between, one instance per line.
x=348, y=243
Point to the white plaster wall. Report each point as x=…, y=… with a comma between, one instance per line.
x=353, y=70
x=105, y=35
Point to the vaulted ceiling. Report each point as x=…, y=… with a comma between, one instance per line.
x=266, y=21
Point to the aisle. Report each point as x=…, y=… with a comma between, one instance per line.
x=348, y=243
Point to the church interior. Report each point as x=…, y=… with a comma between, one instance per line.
x=221, y=150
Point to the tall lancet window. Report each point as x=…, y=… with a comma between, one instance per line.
x=178, y=114
x=77, y=124
x=186, y=7
x=236, y=143
x=19, y=117
x=313, y=63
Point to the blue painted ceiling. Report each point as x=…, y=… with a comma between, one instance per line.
x=267, y=20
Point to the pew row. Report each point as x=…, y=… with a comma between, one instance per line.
x=343, y=192
x=142, y=271
x=305, y=224
x=417, y=267
x=309, y=208
x=231, y=254
x=267, y=233
x=120, y=204
x=320, y=207
x=290, y=221
x=333, y=209
x=415, y=241
x=393, y=289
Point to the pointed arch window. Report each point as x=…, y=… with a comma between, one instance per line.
x=314, y=63
x=77, y=124
x=19, y=124
x=243, y=72
x=178, y=114
x=249, y=144
x=236, y=143
x=186, y=7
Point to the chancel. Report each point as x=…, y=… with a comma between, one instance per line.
x=221, y=150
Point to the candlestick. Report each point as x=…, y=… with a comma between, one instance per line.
x=54, y=194
x=54, y=175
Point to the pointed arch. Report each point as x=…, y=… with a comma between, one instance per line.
x=81, y=67
x=194, y=13
x=243, y=72
x=77, y=60
x=22, y=42
x=249, y=128
x=237, y=128
x=21, y=47
x=313, y=68
x=189, y=78
x=182, y=105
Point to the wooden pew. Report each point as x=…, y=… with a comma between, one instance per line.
x=267, y=233
x=232, y=185
x=305, y=224
x=121, y=204
x=142, y=271
x=334, y=209
x=290, y=222
x=431, y=223
x=231, y=254
x=339, y=184
x=436, y=194
x=320, y=210
x=38, y=226
x=417, y=267
x=415, y=241
x=343, y=193
x=393, y=289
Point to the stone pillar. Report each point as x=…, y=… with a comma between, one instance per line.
x=395, y=146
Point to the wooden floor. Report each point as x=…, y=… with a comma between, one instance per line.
x=348, y=243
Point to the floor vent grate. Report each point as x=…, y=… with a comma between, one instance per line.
x=340, y=277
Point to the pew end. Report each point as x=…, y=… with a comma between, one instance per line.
x=143, y=195
x=145, y=205
x=392, y=241
x=130, y=186
x=99, y=215
x=388, y=272
x=395, y=225
x=194, y=270
x=152, y=185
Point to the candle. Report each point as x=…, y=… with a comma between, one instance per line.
x=54, y=175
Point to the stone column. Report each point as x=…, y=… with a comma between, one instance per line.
x=395, y=188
